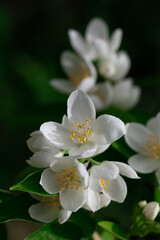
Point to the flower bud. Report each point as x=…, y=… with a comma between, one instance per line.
x=142, y=203
x=151, y=210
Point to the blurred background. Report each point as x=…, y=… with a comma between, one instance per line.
x=33, y=34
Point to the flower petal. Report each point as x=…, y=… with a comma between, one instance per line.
x=117, y=190
x=105, y=201
x=154, y=125
x=63, y=215
x=72, y=199
x=84, y=151
x=143, y=164
x=126, y=170
x=96, y=28
x=42, y=213
x=62, y=85
x=107, y=129
x=41, y=159
x=57, y=134
x=93, y=200
x=116, y=39
x=137, y=136
x=80, y=107
x=64, y=163
x=49, y=181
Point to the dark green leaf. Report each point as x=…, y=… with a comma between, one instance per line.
x=157, y=195
x=14, y=207
x=55, y=231
x=113, y=228
x=31, y=184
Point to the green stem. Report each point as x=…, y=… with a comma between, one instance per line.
x=92, y=161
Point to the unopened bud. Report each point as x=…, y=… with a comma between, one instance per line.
x=142, y=203
x=151, y=210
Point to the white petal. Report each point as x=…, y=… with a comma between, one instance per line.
x=84, y=177
x=92, y=200
x=126, y=170
x=125, y=95
x=64, y=163
x=154, y=125
x=137, y=136
x=42, y=213
x=84, y=151
x=105, y=201
x=66, y=122
x=86, y=84
x=143, y=164
x=57, y=134
x=38, y=142
x=96, y=28
x=77, y=41
x=102, y=95
x=151, y=210
x=62, y=85
x=122, y=65
x=117, y=190
x=49, y=181
x=72, y=199
x=102, y=48
x=116, y=39
x=41, y=159
x=101, y=148
x=80, y=107
x=107, y=129
x=63, y=215
x=106, y=170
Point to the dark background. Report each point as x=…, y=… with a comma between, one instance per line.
x=33, y=34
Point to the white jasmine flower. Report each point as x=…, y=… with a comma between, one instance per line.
x=125, y=95
x=146, y=141
x=151, y=210
x=69, y=178
x=81, y=132
x=44, y=151
x=113, y=66
x=96, y=29
x=105, y=178
x=48, y=210
x=95, y=201
x=82, y=75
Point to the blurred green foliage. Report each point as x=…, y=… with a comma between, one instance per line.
x=33, y=34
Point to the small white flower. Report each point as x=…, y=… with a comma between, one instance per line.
x=81, y=74
x=95, y=201
x=48, y=210
x=81, y=133
x=151, y=210
x=44, y=151
x=125, y=95
x=105, y=178
x=96, y=29
x=146, y=141
x=69, y=178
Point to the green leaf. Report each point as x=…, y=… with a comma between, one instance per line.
x=14, y=207
x=157, y=195
x=31, y=184
x=113, y=228
x=55, y=231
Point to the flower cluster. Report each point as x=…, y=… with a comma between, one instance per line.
x=98, y=56
x=70, y=181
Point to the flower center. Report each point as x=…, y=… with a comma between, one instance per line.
x=80, y=132
x=68, y=178
x=53, y=203
x=103, y=183
x=78, y=75
x=152, y=148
